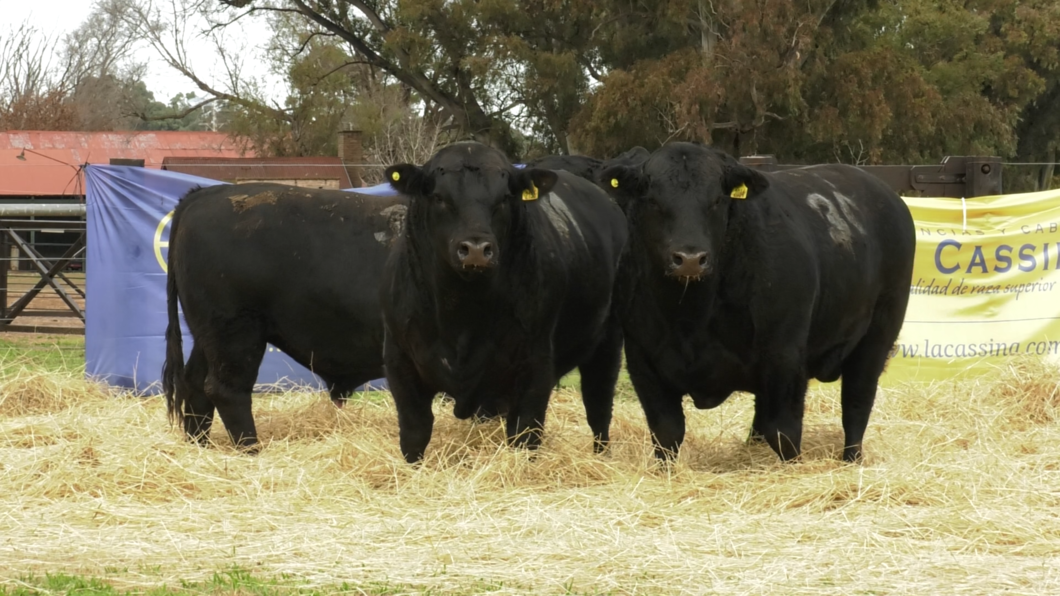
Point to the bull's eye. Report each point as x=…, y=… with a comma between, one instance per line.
x=439, y=200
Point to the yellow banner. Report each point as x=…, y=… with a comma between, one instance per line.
x=985, y=288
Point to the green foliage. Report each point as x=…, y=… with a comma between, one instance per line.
x=879, y=82
x=155, y=115
x=322, y=89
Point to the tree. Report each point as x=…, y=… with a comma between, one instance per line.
x=89, y=83
x=818, y=80
x=31, y=96
x=722, y=72
x=862, y=82
x=480, y=69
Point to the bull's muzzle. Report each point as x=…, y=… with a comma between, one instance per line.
x=688, y=265
x=475, y=254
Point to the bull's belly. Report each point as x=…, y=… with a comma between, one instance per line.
x=708, y=384
x=494, y=374
x=333, y=359
x=489, y=374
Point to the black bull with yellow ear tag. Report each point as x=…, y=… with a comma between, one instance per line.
x=500, y=286
x=739, y=280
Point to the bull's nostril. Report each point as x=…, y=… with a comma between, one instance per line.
x=462, y=251
x=678, y=261
x=488, y=250
x=703, y=261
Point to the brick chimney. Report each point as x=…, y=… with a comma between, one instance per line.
x=352, y=155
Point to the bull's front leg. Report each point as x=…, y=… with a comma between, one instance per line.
x=412, y=398
x=526, y=419
x=661, y=403
x=779, y=406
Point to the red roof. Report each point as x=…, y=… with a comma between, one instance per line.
x=50, y=161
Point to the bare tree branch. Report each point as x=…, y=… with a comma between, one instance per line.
x=371, y=15
x=175, y=115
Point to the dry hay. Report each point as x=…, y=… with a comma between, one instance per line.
x=960, y=493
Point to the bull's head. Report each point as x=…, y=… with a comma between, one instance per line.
x=678, y=203
x=465, y=203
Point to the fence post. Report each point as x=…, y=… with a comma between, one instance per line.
x=4, y=266
x=982, y=176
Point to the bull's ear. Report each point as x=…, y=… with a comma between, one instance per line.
x=623, y=183
x=408, y=179
x=739, y=181
x=531, y=183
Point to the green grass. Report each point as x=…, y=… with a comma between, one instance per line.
x=66, y=353
x=45, y=353
x=237, y=581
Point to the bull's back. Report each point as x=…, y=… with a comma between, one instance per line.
x=858, y=227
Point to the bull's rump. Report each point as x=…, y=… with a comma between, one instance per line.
x=857, y=239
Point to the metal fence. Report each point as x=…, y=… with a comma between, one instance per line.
x=42, y=268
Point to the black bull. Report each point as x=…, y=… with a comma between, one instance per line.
x=500, y=285
x=737, y=280
x=267, y=263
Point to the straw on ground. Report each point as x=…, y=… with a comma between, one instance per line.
x=960, y=493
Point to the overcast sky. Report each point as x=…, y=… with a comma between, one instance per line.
x=57, y=17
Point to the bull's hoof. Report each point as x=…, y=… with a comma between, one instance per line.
x=339, y=402
x=853, y=455
x=663, y=454
x=200, y=438
x=248, y=446
x=755, y=438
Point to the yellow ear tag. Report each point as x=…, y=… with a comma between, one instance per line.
x=740, y=192
x=614, y=183
x=395, y=176
x=530, y=194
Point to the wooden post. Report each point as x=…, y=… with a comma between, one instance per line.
x=5, y=265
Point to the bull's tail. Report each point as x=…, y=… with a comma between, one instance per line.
x=173, y=369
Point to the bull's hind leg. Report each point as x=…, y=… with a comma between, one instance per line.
x=599, y=375
x=861, y=376
x=198, y=409
x=233, y=369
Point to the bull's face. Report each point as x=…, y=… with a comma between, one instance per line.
x=678, y=204
x=465, y=202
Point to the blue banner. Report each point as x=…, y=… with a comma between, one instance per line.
x=128, y=219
